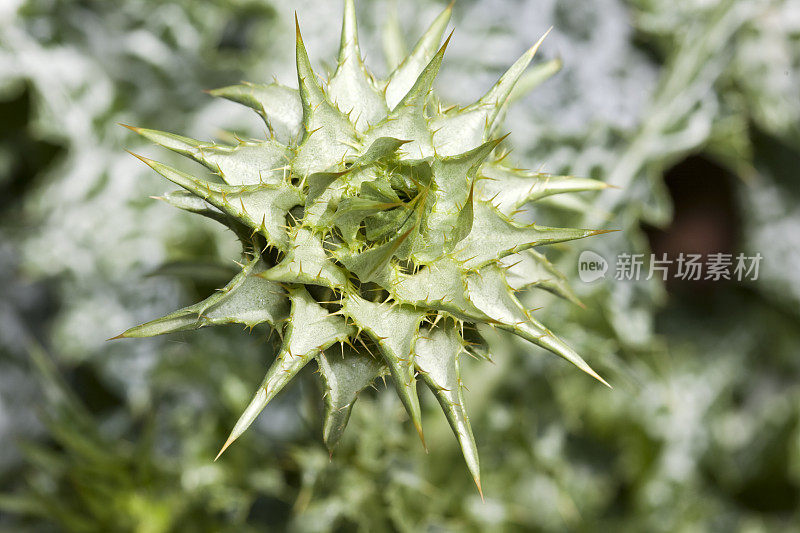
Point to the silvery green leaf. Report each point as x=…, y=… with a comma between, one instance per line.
x=495, y=236
x=436, y=354
x=246, y=300
x=393, y=329
x=345, y=374
x=510, y=189
x=464, y=129
x=328, y=136
x=407, y=120
x=489, y=292
x=279, y=106
x=261, y=207
x=530, y=268
x=310, y=330
x=306, y=262
x=249, y=163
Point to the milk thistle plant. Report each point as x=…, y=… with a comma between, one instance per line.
x=378, y=231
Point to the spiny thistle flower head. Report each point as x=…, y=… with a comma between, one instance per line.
x=378, y=230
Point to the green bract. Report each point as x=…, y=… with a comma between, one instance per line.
x=377, y=228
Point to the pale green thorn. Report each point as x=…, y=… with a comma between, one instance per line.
x=310, y=92
x=533, y=78
x=418, y=94
x=433, y=35
x=252, y=410
x=498, y=95
x=400, y=81
x=579, y=362
x=348, y=45
x=177, y=177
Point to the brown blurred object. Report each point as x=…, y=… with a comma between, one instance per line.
x=706, y=216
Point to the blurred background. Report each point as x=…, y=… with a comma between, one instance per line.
x=691, y=107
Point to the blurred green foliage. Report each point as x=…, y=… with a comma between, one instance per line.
x=702, y=431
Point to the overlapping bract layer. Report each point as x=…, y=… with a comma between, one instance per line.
x=374, y=220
